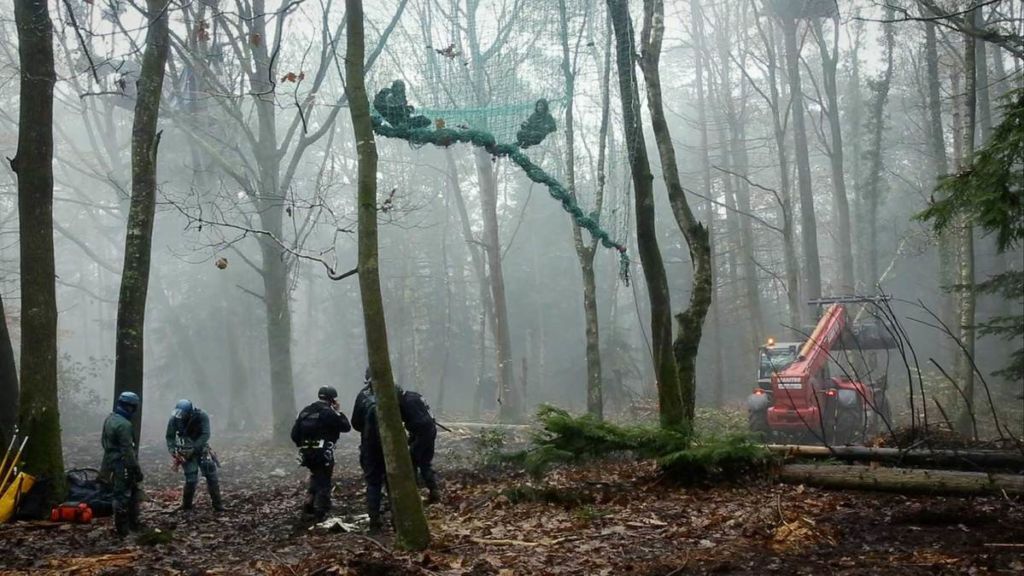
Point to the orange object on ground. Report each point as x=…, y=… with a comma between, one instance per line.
x=77, y=512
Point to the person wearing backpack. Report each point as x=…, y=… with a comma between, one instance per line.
x=120, y=467
x=315, y=432
x=188, y=442
x=371, y=452
x=422, y=435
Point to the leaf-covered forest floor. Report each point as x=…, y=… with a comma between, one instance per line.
x=615, y=518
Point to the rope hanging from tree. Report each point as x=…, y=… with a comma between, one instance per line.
x=395, y=118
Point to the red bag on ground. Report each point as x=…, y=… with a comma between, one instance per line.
x=77, y=512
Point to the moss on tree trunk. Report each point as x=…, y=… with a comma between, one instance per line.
x=39, y=416
x=131, y=305
x=410, y=521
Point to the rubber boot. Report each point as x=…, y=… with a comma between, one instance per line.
x=134, y=519
x=373, y=500
x=188, y=495
x=215, y=500
x=120, y=521
x=430, y=480
x=307, y=504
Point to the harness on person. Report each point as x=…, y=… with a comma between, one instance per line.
x=313, y=451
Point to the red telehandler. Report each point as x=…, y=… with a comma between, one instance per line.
x=798, y=396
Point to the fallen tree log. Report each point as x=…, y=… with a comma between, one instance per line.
x=903, y=480
x=939, y=458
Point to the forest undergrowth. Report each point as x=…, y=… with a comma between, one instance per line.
x=609, y=516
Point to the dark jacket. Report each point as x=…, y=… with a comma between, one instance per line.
x=329, y=424
x=118, y=443
x=416, y=414
x=364, y=400
x=414, y=411
x=193, y=430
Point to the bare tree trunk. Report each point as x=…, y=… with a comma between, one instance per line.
x=410, y=522
x=691, y=320
x=270, y=203
x=9, y=390
x=785, y=201
x=965, y=280
x=511, y=409
x=479, y=267
x=873, y=186
x=671, y=408
x=808, y=224
x=984, y=110
x=700, y=42
x=39, y=416
x=129, y=372
x=940, y=168
x=842, y=234
x=585, y=252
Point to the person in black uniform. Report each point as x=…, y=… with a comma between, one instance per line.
x=371, y=453
x=315, y=432
x=422, y=435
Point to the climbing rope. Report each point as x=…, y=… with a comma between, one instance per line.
x=416, y=134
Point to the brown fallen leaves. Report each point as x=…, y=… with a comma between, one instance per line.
x=611, y=518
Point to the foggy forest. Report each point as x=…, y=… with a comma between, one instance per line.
x=600, y=287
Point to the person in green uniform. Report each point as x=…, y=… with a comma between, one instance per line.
x=188, y=441
x=120, y=467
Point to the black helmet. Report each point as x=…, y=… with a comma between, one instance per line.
x=327, y=393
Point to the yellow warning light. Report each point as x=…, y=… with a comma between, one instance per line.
x=771, y=341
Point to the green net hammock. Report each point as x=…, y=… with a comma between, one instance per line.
x=394, y=118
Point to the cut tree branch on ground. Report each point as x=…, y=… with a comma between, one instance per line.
x=902, y=480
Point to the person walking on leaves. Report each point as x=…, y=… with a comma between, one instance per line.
x=188, y=441
x=120, y=467
x=315, y=432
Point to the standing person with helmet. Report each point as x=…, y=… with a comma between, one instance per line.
x=188, y=442
x=120, y=467
x=315, y=432
x=371, y=453
x=422, y=433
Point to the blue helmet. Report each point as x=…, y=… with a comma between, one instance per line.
x=182, y=409
x=129, y=400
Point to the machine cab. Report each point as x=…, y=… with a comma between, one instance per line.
x=774, y=357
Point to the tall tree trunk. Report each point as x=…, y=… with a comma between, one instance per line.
x=131, y=307
x=479, y=267
x=700, y=42
x=808, y=224
x=691, y=320
x=940, y=168
x=785, y=208
x=984, y=110
x=672, y=411
x=276, y=266
x=873, y=185
x=511, y=409
x=8, y=382
x=840, y=203
x=739, y=161
x=38, y=412
x=965, y=279
x=410, y=522
x=585, y=251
